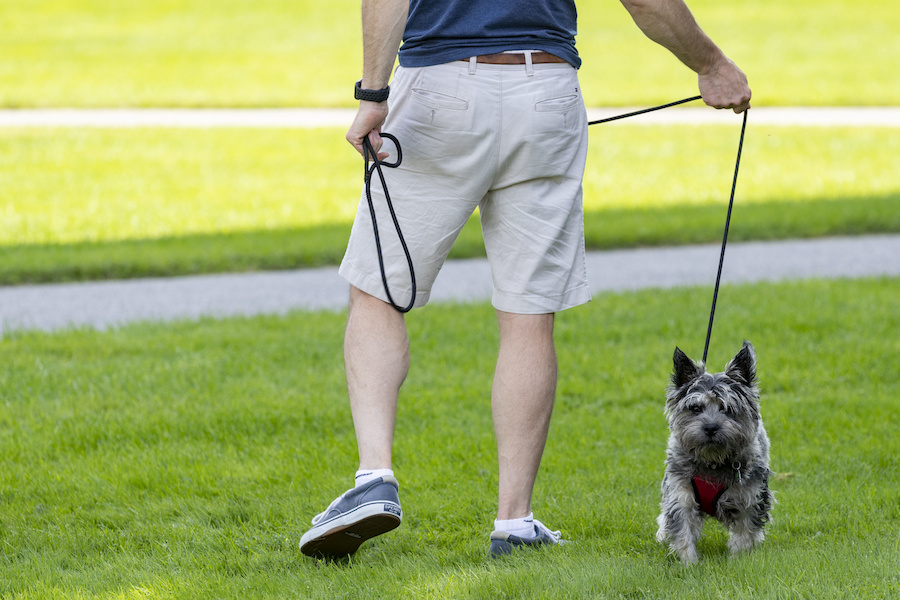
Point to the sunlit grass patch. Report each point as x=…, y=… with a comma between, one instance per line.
x=100, y=185
x=100, y=203
x=646, y=167
x=95, y=185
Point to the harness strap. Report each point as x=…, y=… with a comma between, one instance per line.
x=707, y=494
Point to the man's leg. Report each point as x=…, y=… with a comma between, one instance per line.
x=376, y=358
x=376, y=355
x=522, y=402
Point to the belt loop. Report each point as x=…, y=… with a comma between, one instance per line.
x=473, y=62
x=529, y=67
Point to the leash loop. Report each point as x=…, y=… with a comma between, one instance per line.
x=369, y=170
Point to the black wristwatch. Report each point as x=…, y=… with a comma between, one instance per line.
x=371, y=95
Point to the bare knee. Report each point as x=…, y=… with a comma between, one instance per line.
x=530, y=326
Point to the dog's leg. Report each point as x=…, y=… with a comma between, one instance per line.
x=746, y=531
x=680, y=522
x=745, y=512
x=683, y=540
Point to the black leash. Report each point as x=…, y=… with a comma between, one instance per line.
x=712, y=311
x=644, y=111
x=376, y=166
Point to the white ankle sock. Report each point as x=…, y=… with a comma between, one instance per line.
x=524, y=527
x=364, y=476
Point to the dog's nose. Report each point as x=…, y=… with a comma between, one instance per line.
x=711, y=429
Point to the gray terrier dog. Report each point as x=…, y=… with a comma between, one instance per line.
x=717, y=462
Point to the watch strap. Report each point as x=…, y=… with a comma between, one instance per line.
x=370, y=95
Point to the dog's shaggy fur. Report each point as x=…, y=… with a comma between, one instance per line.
x=717, y=441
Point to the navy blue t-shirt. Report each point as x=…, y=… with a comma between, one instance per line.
x=441, y=31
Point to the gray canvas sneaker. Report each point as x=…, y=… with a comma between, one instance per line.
x=503, y=543
x=357, y=515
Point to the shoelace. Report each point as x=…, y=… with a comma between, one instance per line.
x=321, y=515
x=555, y=535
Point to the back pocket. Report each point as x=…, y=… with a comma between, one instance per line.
x=437, y=100
x=560, y=104
x=439, y=111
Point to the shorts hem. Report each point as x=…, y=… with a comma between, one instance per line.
x=538, y=305
x=375, y=287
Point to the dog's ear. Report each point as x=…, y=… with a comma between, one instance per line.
x=686, y=370
x=742, y=367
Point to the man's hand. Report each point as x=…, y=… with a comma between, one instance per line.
x=368, y=122
x=671, y=24
x=725, y=86
x=383, y=24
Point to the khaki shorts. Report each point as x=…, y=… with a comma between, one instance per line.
x=504, y=139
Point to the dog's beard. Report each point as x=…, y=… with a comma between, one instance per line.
x=723, y=447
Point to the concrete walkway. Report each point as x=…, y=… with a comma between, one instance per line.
x=110, y=303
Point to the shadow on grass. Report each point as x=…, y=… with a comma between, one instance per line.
x=173, y=256
x=324, y=245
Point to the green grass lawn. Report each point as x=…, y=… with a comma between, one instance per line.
x=99, y=203
x=289, y=53
x=185, y=460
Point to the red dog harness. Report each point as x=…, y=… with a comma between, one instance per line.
x=707, y=494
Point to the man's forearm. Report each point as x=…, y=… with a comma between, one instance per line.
x=383, y=24
x=671, y=24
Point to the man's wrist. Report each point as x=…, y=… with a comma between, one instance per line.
x=370, y=95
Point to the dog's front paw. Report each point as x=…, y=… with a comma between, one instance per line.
x=661, y=535
x=744, y=541
x=687, y=552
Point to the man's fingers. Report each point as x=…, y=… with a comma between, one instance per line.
x=376, y=141
x=367, y=123
x=725, y=94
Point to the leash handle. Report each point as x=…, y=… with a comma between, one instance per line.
x=377, y=166
x=712, y=311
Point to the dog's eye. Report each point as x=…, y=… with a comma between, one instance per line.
x=695, y=408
